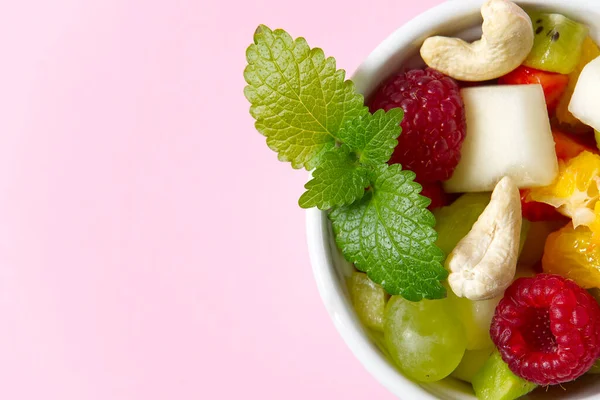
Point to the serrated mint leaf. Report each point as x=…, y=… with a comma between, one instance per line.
x=337, y=181
x=298, y=97
x=373, y=136
x=389, y=235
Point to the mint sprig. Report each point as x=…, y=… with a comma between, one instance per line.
x=337, y=181
x=389, y=235
x=341, y=176
x=373, y=136
x=298, y=97
x=315, y=119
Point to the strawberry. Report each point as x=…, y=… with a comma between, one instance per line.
x=553, y=84
x=535, y=211
x=569, y=146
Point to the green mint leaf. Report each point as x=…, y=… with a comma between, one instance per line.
x=373, y=136
x=337, y=181
x=389, y=235
x=298, y=97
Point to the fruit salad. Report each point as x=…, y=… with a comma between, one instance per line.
x=466, y=194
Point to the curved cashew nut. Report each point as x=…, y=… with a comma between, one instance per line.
x=506, y=42
x=483, y=263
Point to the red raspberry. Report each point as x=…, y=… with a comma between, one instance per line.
x=433, y=128
x=436, y=194
x=547, y=329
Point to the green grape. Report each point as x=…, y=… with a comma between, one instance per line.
x=368, y=299
x=453, y=222
x=476, y=317
x=456, y=220
x=471, y=362
x=379, y=341
x=425, y=340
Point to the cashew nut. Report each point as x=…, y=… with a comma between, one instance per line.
x=506, y=42
x=483, y=263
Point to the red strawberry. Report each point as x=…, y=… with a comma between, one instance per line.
x=569, y=146
x=553, y=84
x=534, y=211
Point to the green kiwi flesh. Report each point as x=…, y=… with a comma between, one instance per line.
x=557, y=43
x=495, y=381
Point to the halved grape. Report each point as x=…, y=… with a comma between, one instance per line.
x=425, y=339
x=368, y=299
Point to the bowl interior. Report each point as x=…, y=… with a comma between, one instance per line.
x=399, y=51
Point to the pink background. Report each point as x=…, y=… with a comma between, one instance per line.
x=151, y=246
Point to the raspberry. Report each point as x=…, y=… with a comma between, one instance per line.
x=436, y=194
x=434, y=126
x=547, y=329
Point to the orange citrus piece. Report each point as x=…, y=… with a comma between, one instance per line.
x=572, y=253
x=575, y=191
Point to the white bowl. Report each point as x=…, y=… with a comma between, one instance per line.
x=455, y=17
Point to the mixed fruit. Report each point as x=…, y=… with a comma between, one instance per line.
x=535, y=125
x=466, y=193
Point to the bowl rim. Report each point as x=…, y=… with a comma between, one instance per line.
x=318, y=229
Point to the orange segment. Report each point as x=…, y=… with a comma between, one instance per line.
x=572, y=253
x=576, y=190
x=595, y=226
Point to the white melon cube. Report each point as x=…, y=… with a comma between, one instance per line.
x=585, y=102
x=508, y=134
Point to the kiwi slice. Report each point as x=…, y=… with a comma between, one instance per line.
x=557, y=44
x=495, y=381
